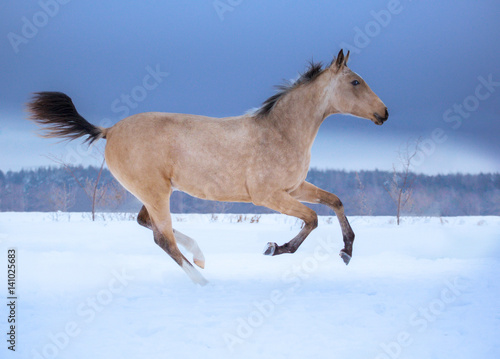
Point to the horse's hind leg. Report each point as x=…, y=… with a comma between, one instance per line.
x=312, y=194
x=190, y=244
x=161, y=224
x=143, y=218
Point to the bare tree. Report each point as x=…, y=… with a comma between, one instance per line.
x=400, y=185
x=98, y=195
x=362, y=202
x=92, y=190
x=62, y=197
x=107, y=195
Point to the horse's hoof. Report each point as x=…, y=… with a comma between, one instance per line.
x=270, y=249
x=345, y=257
x=199, y=262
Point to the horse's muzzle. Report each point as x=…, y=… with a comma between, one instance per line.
x=380, y=119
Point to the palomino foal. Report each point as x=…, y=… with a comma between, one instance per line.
x=261, y=157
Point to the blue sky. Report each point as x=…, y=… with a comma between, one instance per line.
x=434, y=64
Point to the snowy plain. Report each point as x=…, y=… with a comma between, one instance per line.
x=428, y=288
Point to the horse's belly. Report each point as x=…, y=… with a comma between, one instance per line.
x=212, y=186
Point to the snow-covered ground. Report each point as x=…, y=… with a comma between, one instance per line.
x=428, y=288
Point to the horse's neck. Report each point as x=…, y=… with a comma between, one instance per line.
x=299, y=115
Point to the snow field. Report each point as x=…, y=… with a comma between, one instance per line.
x=425, y=289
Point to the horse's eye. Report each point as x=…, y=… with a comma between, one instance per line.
x=355, y=83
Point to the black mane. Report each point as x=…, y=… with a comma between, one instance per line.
x=312, y=72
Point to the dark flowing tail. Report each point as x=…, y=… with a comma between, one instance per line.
x=57, y=115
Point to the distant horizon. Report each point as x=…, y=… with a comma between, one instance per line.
x=312, y=168
x=363, y=192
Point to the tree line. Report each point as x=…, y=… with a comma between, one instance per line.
x=80, y=189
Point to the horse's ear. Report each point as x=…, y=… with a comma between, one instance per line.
x=347, y=57
x=338, y=62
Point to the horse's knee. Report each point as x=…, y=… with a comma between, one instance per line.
x=335, y=202
x=311, y=220
x=314, y=222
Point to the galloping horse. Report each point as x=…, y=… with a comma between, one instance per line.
x=260, y=157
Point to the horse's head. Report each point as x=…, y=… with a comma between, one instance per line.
x=352, y=95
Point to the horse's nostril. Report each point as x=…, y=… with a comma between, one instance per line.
x=386, y=113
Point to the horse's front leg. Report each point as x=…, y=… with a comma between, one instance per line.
x=312, y=194
x=284, y=203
